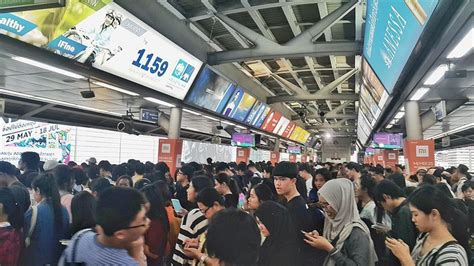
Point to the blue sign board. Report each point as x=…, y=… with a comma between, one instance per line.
x=148, y=115
x=393, y=28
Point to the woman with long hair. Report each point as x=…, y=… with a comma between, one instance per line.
x=228, y=188
x=444, y=227
x=259, y=194
x=83, y=211
x=156, y=238
x=279, y=247
x=50, y=225
x=11, y=222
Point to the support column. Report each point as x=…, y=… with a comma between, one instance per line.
x=413, y=121
x=275, y=154
x=170, y=149
x=419, y=153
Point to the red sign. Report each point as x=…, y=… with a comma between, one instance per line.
x=243, y=155
x=274, y=157
x=289, y=129
x=170, y=152
x=271, y=121
x=419, y=154
x=390, y=158
x=293, y=158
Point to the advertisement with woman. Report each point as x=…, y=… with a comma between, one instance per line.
x=239, y=105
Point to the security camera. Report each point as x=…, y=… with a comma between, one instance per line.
x=87, y=94
x=121, y=126
x=219, y=127
x=301, y=113
x=322, y=113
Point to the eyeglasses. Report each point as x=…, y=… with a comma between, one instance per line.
x=205, y=211
x=180, y=173
x=135, y=226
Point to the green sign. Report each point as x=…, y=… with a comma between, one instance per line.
x=22, y=5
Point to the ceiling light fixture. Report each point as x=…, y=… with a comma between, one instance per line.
x=327, y=135
x=463, y=47
x=160, y=102
x=211, y=118
x=241, y=127
x=191, y=112
x=399, y=115
x=108, y=86
x=191, y=128
x=436, y=75
x=228, y=123
x=47, y=67
x=419, y=94
x=458, y=129
x=389, y=126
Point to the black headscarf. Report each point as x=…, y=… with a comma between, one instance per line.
x=279, y=248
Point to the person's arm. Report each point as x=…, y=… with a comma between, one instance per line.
x=357, y=249
x=400, y=250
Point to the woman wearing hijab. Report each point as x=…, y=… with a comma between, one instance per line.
x=345, y=236
x=279, y=246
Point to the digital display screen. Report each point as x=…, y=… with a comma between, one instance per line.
x=262, y=114
x=243, y=140
x=107, y=37
x=294, y=149
x=289, y=129
x=239, y=105
x=281, y=126
x=363, y=128
x=211, y=91
x=392, y=29
x=373, y=85
x=387, y=141
x=369, y=101
x=271, y=121
x=369, y=151
x=300, y=135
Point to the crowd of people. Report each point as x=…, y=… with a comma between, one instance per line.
x=218, y=213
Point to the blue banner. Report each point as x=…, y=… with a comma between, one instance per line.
x=393, y=28
x=66, y=46
x=14, y=24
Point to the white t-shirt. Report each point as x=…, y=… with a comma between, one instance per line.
x=309, y=185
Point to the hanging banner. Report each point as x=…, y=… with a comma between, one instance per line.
x=50, y=141
x=169, y=151
x=274, y=157
x=243, y=155
x=419, y=154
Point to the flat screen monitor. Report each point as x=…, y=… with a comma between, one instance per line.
x=369, y=151
x=210, y=91
x=243, y=140
x=387, y=141
x=294, y=149
x=271, y=121
x=393, y=29
x=239, y=105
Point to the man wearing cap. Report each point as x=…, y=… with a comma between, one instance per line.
x=285, y=175
x=49, y=165
x=92, y=161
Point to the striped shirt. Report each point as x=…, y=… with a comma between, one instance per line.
x=452, y=254
x=89, y=251
x=192, y=226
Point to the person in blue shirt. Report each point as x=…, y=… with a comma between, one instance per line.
x=51, y=225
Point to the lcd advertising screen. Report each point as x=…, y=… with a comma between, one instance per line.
x=281, y=126
x=392, y=30
x=294, y=149
x=373, y=84
x=261, y=117
x=369, y=151
x=363, y=128
x=109, y=38
x=369, y=101
x=271, y=121
x=289, y=129
x=211, y=91
x=243, y=140
x=366, y=111
x=239, y=105
x=387, y=141
x=253, y=115
x=300, y=135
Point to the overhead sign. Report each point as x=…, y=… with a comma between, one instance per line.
x=22, y=5
x=148, y=115
x=102, y=34
x=419, y=154
x=445, y=142
x=392, y=30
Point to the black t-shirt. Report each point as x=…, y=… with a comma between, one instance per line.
x=22, y=195
x=182, y=196
x=302, y=220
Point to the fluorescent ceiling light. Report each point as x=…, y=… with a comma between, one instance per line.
x=191, y=112
x=419, y=94
x=47, y=67
x=191, y=128
x=436, y=75
x=458, y=129
x=228, y=123
x=108, y=86
x=160, y=102
x=464, y=46
x=32, y=97
x=402, y=109
x=328, y=135
x=211, y=118
x=241, y=127
x=399, y=115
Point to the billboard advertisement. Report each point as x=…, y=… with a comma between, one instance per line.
x=392, y=30
x=106, y=36
x=239, y=105
x=289, y=129
x=281, y=126
x=271, y=121
x=387, y=141
x=211, y=91
x=50, y=141
x=261, y=116
x=373, y=84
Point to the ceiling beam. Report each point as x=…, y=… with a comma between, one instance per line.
x=335, y=116
x=331, y=126
x=36, y=111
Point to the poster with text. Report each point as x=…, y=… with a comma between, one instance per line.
x=271, y=121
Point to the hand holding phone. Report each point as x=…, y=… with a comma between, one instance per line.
x=176, y=205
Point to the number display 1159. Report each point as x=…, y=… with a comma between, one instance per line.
x=158, y=67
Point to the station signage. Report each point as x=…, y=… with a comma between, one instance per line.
x=148, y=115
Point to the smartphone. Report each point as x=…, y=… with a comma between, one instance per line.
x=381, y=227
x=176, y=205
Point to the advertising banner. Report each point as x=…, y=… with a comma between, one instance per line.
x=419, y=154
x=274, y=157
x=50, y=141
x=271, y=121
x=170, y=152
x=392, y=30
x=239, y=105
x=243, y=155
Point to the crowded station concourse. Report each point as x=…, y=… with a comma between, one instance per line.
x=237, y=133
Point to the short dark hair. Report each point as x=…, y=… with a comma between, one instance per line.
x=105, y=165
x=286, y=169
x=353, y=166
x=140, y=168
x=233, y=237
x=201, y=182
x=188, y=171
x=263, y=191
x=368, y=183
x=467, y=185
x=31, y=159
x=209, y=160
x=221, y=167
x=428, y=179
x=79, y=176
x=83, y=208
x=7, y=168
x=63, y=175
x=93, y=171
x=117, y=207
x=378, y=170
x=208, y=196
x=398, y=179
x=388, y=188
x=118, y=171
x=100, y=184
x=162, y=167
x=306, y=167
